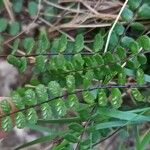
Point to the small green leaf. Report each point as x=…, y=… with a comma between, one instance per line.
x=17, y=5
x=105, y=69
x=5, y=106
x=70, y=81
x=88, y=97
x=41, y=92
x=99, y=59
x=31, y=116
x=62, y=43
x=137, y=95
x=116, y=68
x=30, y=97
x=140, y=76
x=88, y=78
x=114, y=39
x=14, y=61
x=28, y=44
x=79, y=43
x=119, y=29
x=142, y=59
x=144, y=41
x=60, y=62
x=14, y=28
x=121, y=52
x=46, y=111
x=126, y=40
x=32, y=8
x=116, y=98
x=78, y=61
x=20, y=120
x=40, y=63
x=43, y=42
x=55, y=44
x=7, y=124
x=134, y=4
x=55, y=88
x=133, y=63
x=127, y=14
x=60, y=107
x=122, y=78
x=3, y=24
x=102, y=98
x=134, y=47
x=144, y=11
x=17, y=100
x=137, y=26
x=98, y=42
x=108, y=57
x=72, y=101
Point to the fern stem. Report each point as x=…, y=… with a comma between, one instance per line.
x=80, y=91
x=51, y=54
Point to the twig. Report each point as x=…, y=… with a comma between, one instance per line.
x=111, y=30
x=9, y=10
x=69, y=25
x=64, y=8
x=97, y=14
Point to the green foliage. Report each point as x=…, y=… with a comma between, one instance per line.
x=75, y=83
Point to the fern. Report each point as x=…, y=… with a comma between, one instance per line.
x=78, y=81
